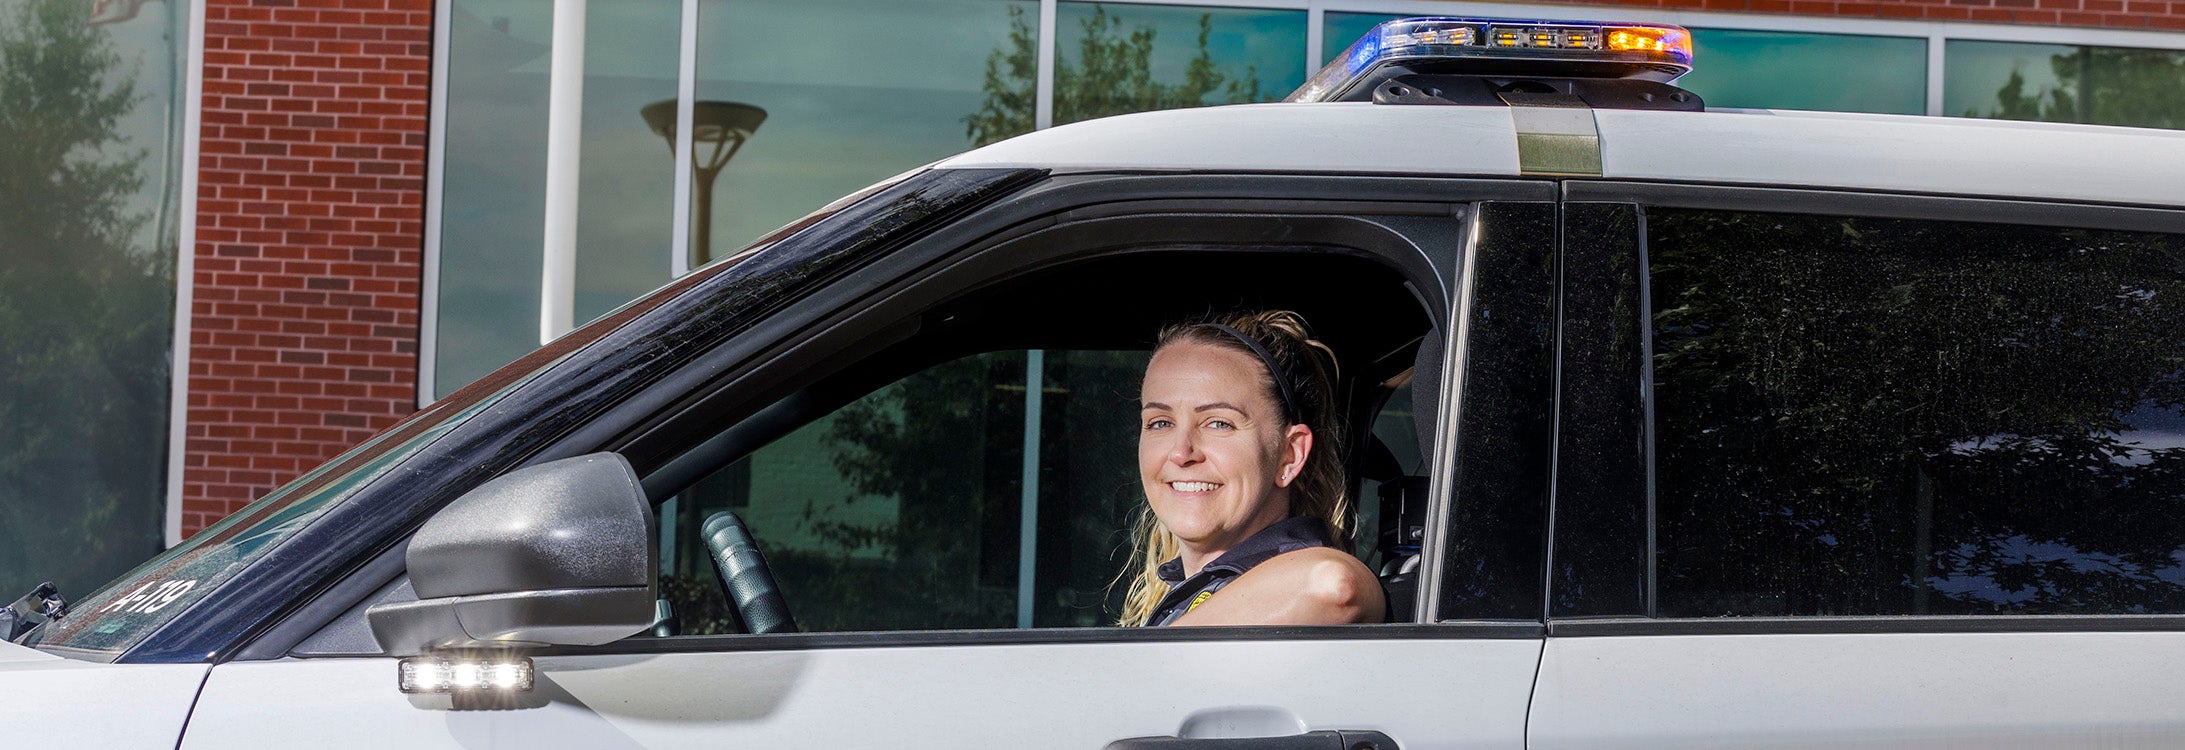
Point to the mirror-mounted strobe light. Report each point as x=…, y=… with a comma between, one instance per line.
x=1653, y=52
x=497, y=673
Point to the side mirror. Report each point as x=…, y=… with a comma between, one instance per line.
x=559, y=553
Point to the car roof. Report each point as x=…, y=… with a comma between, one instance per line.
x=1777, y=148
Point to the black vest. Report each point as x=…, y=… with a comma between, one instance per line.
x=1290, y=534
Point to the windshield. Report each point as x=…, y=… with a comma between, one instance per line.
x=137, y=603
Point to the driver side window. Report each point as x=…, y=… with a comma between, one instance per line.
x=903, y=509
x=974, y=465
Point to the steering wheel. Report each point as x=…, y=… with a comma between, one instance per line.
x=750, y=585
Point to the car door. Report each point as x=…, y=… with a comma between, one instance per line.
x=917, y=466
x=1866, y=471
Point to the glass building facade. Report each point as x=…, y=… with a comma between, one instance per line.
x=91, y=133
x=840, y=93
x=810, y=100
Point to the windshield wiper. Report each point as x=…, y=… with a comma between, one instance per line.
x=34, y=609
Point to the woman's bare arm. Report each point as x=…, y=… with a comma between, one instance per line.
x=1316, y=586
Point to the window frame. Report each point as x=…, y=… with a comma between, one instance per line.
x=822, y=322
x=1017, y=238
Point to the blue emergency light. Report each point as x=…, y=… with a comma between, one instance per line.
x=1472, y=46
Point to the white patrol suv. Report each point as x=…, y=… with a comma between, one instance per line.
x=1675, y=428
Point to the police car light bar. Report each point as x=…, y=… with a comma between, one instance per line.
x=1654, y=52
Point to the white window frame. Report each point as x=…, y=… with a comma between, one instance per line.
x=185, y=273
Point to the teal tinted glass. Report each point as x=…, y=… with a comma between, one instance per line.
x=2063, y=83
x=493, y=218
x=91, y=109
x=626, y=212
x=1112, y=59
x=1834, y=72
x=493, y=209
x=1338, y=31
x=853, y=91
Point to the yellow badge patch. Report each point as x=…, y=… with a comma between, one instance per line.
x=1200, y=599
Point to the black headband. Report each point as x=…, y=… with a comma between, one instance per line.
x=1289, y=401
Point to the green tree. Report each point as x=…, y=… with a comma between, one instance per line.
x=2101, y=86
x=84, y=313
x=1112, y=75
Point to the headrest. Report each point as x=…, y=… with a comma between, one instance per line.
x=1426, y=389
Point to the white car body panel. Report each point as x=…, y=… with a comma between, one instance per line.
x=1894, y=690
x=1340, y=138
x=52, y=700
x=1894, y=153
x=1423, y=693
x=1942, y=155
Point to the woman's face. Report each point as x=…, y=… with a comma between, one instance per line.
x=1213, y=454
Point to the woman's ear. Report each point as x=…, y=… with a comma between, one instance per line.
x=1297, y=445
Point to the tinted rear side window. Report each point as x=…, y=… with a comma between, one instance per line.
x=1861, y=416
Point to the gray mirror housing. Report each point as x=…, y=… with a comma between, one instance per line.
x=558, y=553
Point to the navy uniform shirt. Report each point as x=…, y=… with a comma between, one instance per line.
x=1290, y=534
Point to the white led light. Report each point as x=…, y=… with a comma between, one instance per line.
x=511, y=676
x=423, y=676
x=503, y=673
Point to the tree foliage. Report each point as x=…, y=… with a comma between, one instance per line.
x=1112, y=74
x=2102, y=86
x=84, y=312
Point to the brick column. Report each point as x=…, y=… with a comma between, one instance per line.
x=309, y=247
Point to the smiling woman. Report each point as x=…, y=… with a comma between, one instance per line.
x=1236, y=454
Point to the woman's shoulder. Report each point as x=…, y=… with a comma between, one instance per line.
x=1324, y=573
x=1310, y=586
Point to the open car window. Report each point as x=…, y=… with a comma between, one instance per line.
x=904, y=509
x=980, y=473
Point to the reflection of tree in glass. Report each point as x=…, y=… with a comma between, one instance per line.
x=2102, y=86
x=945, y=559
x=83, y=316
x=1862, y=416
x=945, y=446
x=1113, y=75
x=911, y=495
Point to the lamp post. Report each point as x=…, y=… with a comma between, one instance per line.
x=717, y=130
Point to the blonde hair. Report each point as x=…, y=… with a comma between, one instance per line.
x=1309, y=368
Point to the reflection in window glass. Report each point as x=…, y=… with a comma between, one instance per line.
x=1834, y=72
x=626, y=216
x=492, y=222
x=2061, y=83
x=902, y=510
x=916, y=81
x=90, y=134
x=1338, y=31
x=1112, y=59
x=493, y=213
x=1395, y=428
x=1887, y=417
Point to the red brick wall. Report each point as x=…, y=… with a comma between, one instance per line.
x=303, y=327
x=2162, y=15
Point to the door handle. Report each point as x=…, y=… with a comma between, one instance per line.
x=1328, y=739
